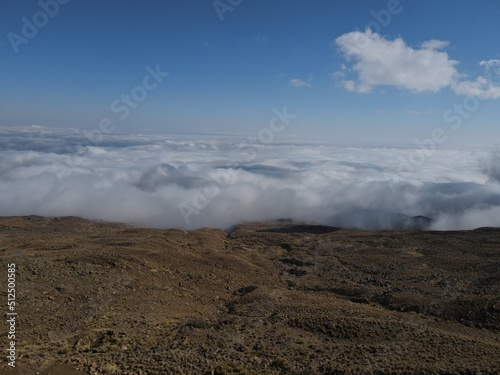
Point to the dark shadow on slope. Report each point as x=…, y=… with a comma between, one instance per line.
x=302, y=228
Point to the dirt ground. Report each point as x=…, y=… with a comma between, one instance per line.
x=265, y=298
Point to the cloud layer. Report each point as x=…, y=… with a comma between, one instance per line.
x=192, y=182
x=377, y=61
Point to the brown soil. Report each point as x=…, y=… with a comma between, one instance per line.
x=267, y=298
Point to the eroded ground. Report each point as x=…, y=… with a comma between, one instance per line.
x=275, y=298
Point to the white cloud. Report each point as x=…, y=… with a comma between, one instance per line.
x=486, y=86
x=481, y=88
x=297, y=82
x=144, y=180
x=491, y=66
x=435, y=44
x=377, y=61
x=351, y=85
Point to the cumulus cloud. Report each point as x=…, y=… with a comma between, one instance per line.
x=486, y=86
x=481, y=88
x=193, y=182
x=377, y=61
x=297, y=82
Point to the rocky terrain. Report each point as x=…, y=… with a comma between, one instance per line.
x=266, y=298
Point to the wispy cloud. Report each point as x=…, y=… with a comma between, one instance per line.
x=494, y=65
x=435, y=44
x=260, y=39
x=300, y=83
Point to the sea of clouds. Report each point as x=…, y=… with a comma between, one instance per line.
x=219, y=181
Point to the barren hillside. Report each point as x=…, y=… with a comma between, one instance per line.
x=266, y=298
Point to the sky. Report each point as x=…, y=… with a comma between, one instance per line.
x=379, y=71
x=358, y=114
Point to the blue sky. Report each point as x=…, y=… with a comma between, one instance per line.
x=228, y=75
